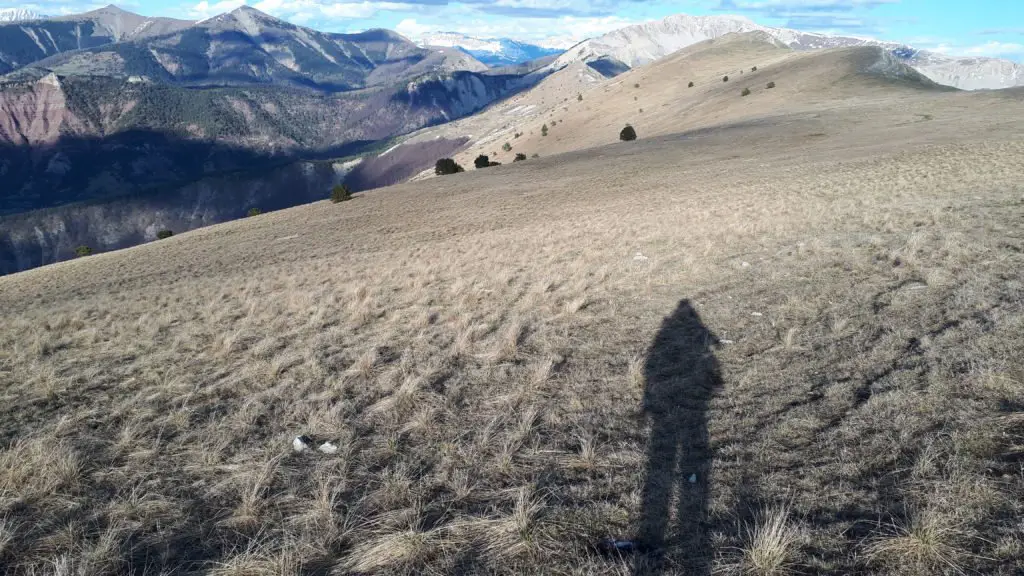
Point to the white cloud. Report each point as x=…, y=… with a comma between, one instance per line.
x=410, y=28
x=991, y=49
x=299, y=11
x=205, y=9
x=571, y=29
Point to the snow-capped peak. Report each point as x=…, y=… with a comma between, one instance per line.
x=18, y=15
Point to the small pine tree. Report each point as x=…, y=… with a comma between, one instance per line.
x=579, y=97
x=340, y=193
x=691, y=85
x=507, y=147
x=254, y=212
x=446, y=166
x=83, y=251
x=746, y=92
x=725, y=78
x=754, y=69
x=627, y=134
x=771, y=85
x=164, y=234
x=544, y=130
x=519, y=157
x=482, y=161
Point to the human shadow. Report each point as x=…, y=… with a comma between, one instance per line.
x=681, y=375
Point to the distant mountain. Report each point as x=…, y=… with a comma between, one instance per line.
x=24, y=43
x=247, y=46
x=18, y=15
x=490, y=51
x=113, y=108
x=644, y=43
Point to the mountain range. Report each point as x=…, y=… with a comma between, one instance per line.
x=115, y=125
x=645, y=43
x=115, y=109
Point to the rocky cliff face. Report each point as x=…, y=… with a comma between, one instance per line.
x=72, y=140
x=108, y=148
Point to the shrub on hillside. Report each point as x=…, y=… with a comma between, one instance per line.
x=83, y=251
x=627, y=134
x=771, y=85
x=725, y=78
x=535, y=155
x=637, y=85
x=254, y=212
x=544, y=130
x=754, y=69
x=519, y=157
x=340, y=193
x=163, y=234
x=446, y=166
x=579, y=97
x=746, y=92
x=691, y=85
x=482, y=161
x=506, y=147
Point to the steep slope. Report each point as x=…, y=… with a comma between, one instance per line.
x=23, y=43
x=644, y=43
x=78, y=139
x=247, y=46
x=490, y=51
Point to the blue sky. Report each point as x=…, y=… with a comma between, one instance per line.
x=981, y=27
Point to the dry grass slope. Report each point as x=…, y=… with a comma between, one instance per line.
x=765, y=351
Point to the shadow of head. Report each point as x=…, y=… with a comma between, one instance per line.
x=681, y=367
x=681, y=374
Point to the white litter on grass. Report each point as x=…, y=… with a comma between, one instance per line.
x=693, y=478
x=283, y=238
x=756, y=314
x=745, y=264
x=640, y=257
x=328, y=448
x=727, y=342
x=301, y=443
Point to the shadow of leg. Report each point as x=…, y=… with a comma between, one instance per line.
x=681, y=376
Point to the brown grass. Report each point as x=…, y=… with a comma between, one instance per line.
x=479, y=349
